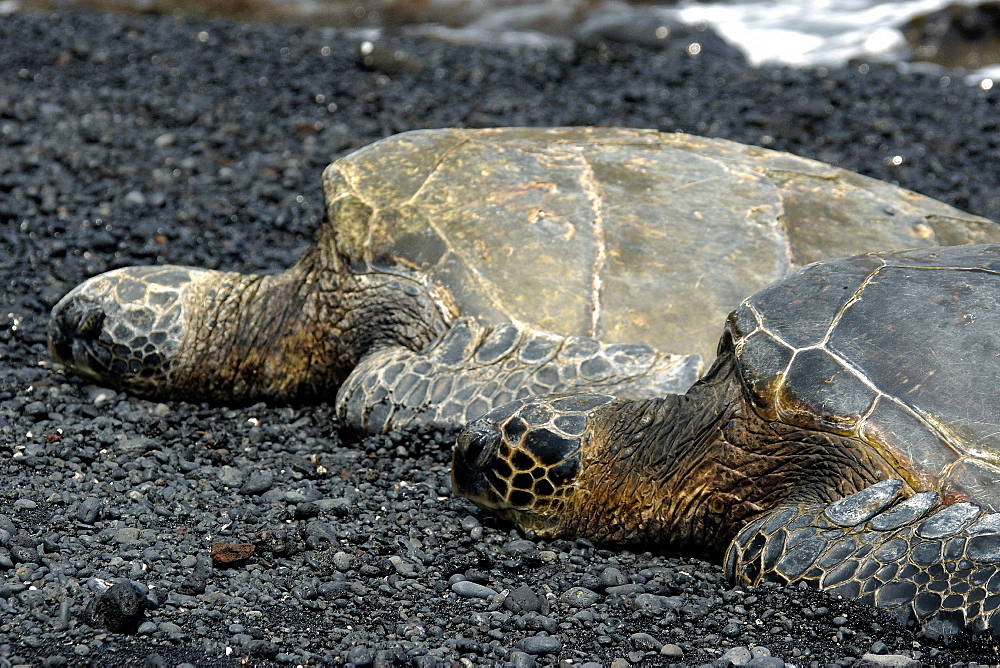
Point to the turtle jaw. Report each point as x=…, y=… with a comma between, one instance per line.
x=122, y=328
x=475, y=449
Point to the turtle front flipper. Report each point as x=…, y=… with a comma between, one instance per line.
x=930, y=565
x=475, y=368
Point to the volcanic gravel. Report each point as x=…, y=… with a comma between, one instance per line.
x=134, y=532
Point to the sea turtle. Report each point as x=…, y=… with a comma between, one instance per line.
x=532, y=235
x=837, y=391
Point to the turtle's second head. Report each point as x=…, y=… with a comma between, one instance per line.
x=616, y=471
x=525, y=461
x=123, y=328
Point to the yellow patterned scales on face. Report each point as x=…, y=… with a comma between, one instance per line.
x=460, y=269
x=847, y=437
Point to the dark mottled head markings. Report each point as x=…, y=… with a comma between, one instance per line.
x=123, y=327
x=522, y=460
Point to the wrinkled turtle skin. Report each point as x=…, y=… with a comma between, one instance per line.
x=460, y=269
x=847, y=436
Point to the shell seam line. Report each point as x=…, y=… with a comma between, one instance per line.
x=488, y=289
x=879, y=396
x=592, y=191
x=984, y=270
x=433, y=171
x=879, y=393
x=351, y=179
x=854, y=298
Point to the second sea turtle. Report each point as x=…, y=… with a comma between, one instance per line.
x=839, y=391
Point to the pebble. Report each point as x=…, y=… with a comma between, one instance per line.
x=89, y=510
x=890, y=660
x=766, y=662
x=523, y=599
x=670, y=649
x=579, y=597
x=645, y=641
x=653, y=604
x=612, y=577
x=342, y=560
x=257, y=483
x=22, y=554
x=625, y=590
x=467, y=589
x=521, y=549
x=37, y=410
x=519, y=659
x=541, y=645
x=737, y=656
x=360, y=656
x=119, y=609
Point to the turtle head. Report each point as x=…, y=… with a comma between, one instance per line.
x=525, y=461
x=123, y=328
x=172, y=332
x=616, y=471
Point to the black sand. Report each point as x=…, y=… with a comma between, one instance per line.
x=145, y=140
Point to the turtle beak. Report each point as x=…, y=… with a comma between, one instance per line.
x=74, y=335
x=476, y=447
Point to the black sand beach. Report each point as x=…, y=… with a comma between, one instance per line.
x=139, y=140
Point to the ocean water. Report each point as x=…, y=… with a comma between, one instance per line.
x=792, y=32
x=812, y=32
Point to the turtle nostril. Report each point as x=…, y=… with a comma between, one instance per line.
x=477, y=439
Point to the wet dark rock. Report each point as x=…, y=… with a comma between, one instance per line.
x=959, y=35
x=523, y=599
x=384, y=58
x=642, y=27
x=119, y=609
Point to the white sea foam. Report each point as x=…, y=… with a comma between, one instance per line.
x=799, y=33
x=811, y=32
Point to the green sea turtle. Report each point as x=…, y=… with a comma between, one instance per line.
x=837, y=391
x=460, y=269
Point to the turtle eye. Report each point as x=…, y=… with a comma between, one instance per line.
x=90, y=323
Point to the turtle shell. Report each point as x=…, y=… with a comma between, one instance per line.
x=900, y=351
x=629, y=236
